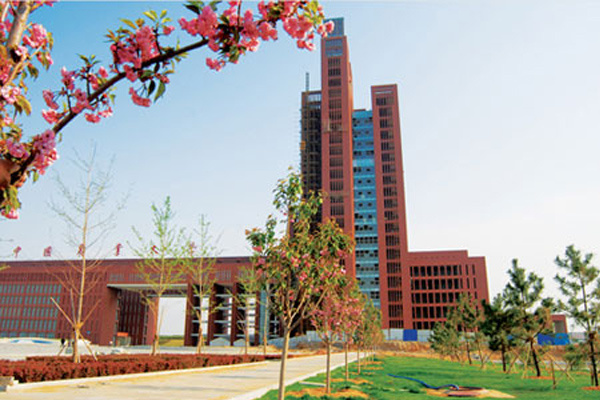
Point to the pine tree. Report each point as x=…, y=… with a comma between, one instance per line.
x=581, y=287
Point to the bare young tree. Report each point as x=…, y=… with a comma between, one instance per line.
x=250, y=284
x=88, y=216
x=160, y=268
x=198, y=265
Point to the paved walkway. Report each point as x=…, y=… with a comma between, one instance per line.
x=239, y=383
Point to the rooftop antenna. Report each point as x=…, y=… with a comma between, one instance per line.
x=307, y=83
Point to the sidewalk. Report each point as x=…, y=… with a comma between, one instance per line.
x=239, y=383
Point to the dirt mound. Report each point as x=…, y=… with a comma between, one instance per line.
x=485, y=393
x=319, y=392
x=358, y=381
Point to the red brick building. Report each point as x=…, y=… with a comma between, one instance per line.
x=28, y=288
x=355, y=157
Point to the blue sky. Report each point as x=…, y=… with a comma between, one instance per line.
x=499, y=106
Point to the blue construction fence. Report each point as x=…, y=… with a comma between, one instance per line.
x=414, y=335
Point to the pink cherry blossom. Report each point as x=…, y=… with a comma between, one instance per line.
x=137, y=100
x=49, y=99
x=45, y=147
x=16, y=149
x=10, y=93
x=37, y=36
x=12, y=214
x=93, y=118
x=51, y=116
x=102, y=72
x=67, y=78
x=167, y=30
x=45, y=56
x=216, y=65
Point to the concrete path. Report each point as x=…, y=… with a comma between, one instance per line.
x=239, y=383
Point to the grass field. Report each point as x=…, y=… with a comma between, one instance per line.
x=171, y=341
x=380, y=386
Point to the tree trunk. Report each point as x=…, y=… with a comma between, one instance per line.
x=358, y=359
x=155, y=344
x=200, y=338
x=593, y=360
x=535, y=360
x=246, y=328
x=284, y=354
x=76, y=355
x=468, y=350
x=481, y=356
x=328, y=378
x=266, y=324
x=346, y=359
x=503, y=353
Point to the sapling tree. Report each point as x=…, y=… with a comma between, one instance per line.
x=301, y=262
x=368, y=333
x=498, y=324
x=353, y=307
x=581, y=287
x=523, y=294
x=250, y=283
x=445, y=339
x=268, y=241
x=143, y=51
x=327, y=320
x=466, y=316
x=198, y=264
x=160, y=268
x=89, y=217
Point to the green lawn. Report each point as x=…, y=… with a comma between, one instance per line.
x=171, y=341
x=437, y=373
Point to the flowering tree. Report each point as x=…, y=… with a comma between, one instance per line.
x=337, y=318
x=352, y=311
x=327, y=321
x=301, y=263
x=143, y=52
x=368, y=333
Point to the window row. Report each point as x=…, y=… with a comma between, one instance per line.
x=437, y=284
x=436, y=270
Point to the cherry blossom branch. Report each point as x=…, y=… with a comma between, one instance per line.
x=19, y=25
x=121, y=75
x=135, y=49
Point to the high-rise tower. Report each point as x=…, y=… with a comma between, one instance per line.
x=355, y=157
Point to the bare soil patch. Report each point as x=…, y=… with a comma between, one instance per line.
x=358, y=381
x=592, y=388
x=320, y=392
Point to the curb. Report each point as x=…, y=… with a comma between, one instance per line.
x=17, y=387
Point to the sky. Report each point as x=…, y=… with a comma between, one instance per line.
x=499, y=105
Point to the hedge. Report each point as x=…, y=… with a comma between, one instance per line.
x=50, y=368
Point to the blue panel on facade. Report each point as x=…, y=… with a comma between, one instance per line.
x=410, y=335
x=545, y=339
x=365, y=205
x=561, y=339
